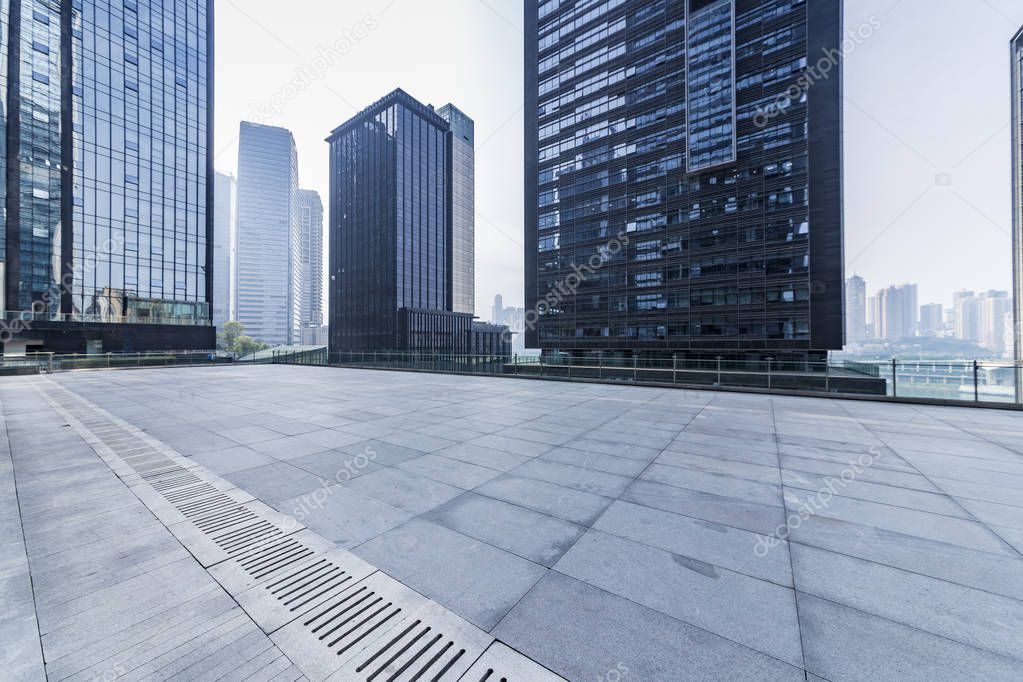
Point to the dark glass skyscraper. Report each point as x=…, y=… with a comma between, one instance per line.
x=398, y=205
x=107, y=122
x=683, y=177
x=390, y=220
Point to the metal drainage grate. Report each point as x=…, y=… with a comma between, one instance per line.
x=499, y=663
x=431, y=644
x=330, y=634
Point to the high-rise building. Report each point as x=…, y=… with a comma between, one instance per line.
x=932, y=319
x=463, y=209
x=894, y=312
x=691, y=211
x=855, y=310
x=497, y=310
x=1017, y=203
x=968, y=316
x=993, y=307
x=391, y=234
x=310, y=220
x=269, y=247
x=106, y=123
x=225, y=248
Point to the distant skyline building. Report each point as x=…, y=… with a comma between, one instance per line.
x=107, y=180
x=463, y=209
x=310, y=220
x=894, y=312
x=511, y=316
x=269, y=248
x=855, y=310
x=225, y=248
x=967, y=316
x=677, y=202
x=993, y=308
x=932, y=319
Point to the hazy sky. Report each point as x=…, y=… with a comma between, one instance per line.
x=927, y=140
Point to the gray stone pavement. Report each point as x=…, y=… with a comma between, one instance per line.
x=607, y=532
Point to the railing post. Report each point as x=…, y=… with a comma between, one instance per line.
x=895, y=388
x=600, y=366
x=635, y=368
x=541, y=363
x=827, y=377
x=674, y=368
x=976, y=382
x=769, y=361
x=108, y=360
x=719, y=370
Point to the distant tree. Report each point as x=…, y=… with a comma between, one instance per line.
x=246, y=345
x=232, y=339
x=229, y=333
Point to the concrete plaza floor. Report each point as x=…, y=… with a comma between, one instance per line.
x=605, y=532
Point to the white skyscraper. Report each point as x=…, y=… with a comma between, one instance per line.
x=310, y=216
x=269, y=249
x=855, y=310
x=225, y=247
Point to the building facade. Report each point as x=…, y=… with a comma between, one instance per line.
x=225, y=248
x=463, y=209
x=893, y=314
x=392, y=232
x=993, y=308
x=108, y=184
x=310, y=220
x=932, y=320
x=683, y=211
x=855, y=310
x=269, y=246
x=1016, y=52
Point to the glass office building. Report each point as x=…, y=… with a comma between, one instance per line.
x=396, y=174
x=269, y=237
x=463, y=209
x=310, y=221
x=683, y=177
x=390, y=230
x=107, y=121
x=1016, y=56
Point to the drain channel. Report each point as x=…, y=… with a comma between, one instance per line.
x=331, y=613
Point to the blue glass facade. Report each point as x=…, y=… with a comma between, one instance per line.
x=107, y=169
x=269, y=240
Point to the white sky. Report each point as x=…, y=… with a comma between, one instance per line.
x=926, y=95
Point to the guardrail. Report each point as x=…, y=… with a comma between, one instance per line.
x=62, y=362
x=980, y=382
x=958, y=381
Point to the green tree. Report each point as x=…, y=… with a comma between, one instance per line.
x=229, y=333
x=232, y=339
x=246, y=345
